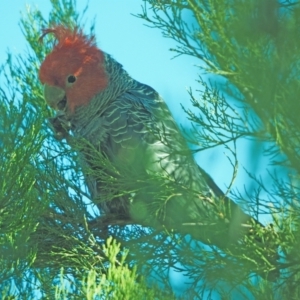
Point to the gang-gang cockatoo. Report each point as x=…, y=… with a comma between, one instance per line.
x=129, y=124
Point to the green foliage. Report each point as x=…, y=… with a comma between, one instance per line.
x=51, y=244
x=120, y=281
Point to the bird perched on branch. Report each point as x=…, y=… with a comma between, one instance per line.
x=128, y=124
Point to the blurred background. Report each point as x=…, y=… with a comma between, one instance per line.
x=146, y=56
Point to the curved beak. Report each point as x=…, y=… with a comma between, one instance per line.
x=55, y=97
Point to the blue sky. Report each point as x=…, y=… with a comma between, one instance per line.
x=145, y=54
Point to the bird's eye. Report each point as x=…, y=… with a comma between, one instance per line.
x=71, y=79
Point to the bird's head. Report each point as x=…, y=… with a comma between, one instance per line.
x=73, y=72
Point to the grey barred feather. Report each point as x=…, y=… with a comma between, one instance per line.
x=130, y=115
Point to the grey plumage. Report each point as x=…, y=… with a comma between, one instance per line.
x=129, y=120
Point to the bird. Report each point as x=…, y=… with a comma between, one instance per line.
x=127, y=124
